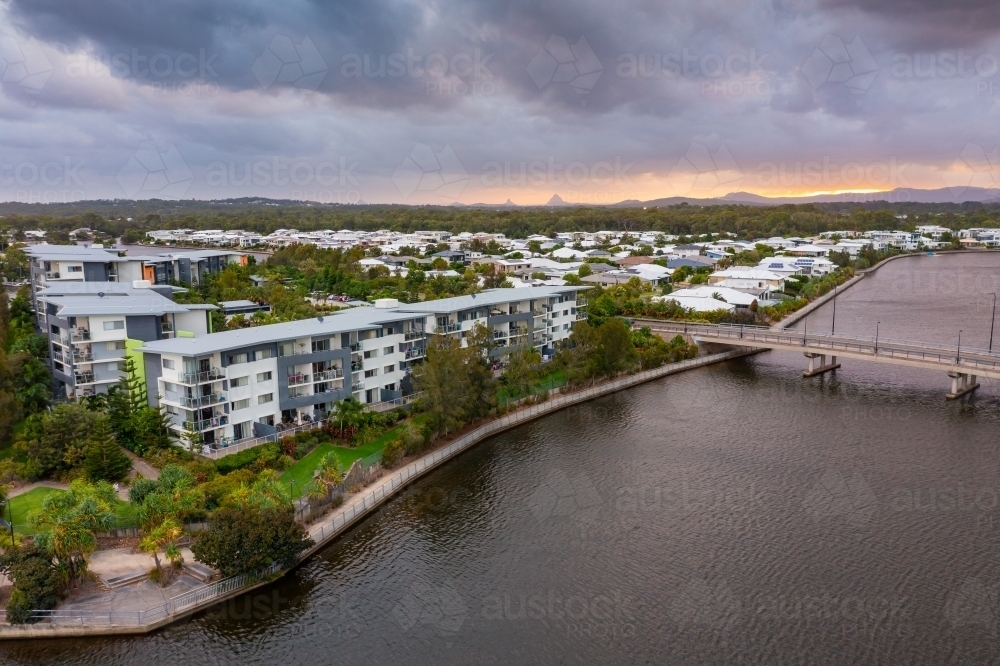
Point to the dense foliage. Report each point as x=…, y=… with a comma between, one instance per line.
x=246, y=542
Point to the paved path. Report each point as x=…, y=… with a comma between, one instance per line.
x=37, y=484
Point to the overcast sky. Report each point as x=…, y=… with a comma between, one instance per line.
x=480, y=101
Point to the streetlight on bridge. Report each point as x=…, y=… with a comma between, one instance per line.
x=833, y=328
x=876, y=336
x=958, y=354
x=993, y=320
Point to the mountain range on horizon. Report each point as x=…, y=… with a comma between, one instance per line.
x=954, y=195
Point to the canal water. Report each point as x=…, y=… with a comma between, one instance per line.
x=737, y=514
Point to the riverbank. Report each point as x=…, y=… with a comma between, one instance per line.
x=102, y=621
x=860, y=275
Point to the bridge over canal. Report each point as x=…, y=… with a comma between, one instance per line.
x=963, y=365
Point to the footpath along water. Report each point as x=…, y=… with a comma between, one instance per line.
x=731, y=514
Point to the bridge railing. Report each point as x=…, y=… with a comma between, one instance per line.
x=967, y=357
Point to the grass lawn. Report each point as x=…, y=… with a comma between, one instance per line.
x=302, y=471
x=23, y=505
x=545, y=383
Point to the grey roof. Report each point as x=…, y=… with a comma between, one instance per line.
x=342, y=321
x=486, y=298
x=77, y=287
x=243, y=303
x=72, y=253
x=149, y=303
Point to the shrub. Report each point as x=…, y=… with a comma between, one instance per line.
x=393, y=451
x=140, y=488
x=247, y=458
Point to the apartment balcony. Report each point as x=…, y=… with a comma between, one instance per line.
x=416, y=352
x=447, y=328
x=299, y=392
x=166, y=327
x=356, y=347
x=85, y=357
x=413, y=335
x=51, y=275
x=57, y=355
x=206, y=424
x=328, y=375
x=84, y=378
x=580, y=316
x=296, y=379
x=320, y=389
x=211, y=375
x=79, y=336
x=202, y=401
x=497, y=335
x=357, y=386
x=357, y=367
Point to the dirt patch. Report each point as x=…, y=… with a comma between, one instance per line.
x=110, y=543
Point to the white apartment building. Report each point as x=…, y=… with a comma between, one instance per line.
x=232, y=385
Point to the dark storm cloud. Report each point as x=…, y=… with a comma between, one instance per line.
x=928, y=24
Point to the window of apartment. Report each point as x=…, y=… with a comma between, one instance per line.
x=171, y=410
x=119, y=345
x=261, y=354
x=169, y=388
x=286, y=349
x=242, y=430
x=241, y=404
x=74, y=269
x=116, y=367
x=321, y=345
x=264, y=399
x=168, y=364
x=236, y=359
x=387, y=351
x=371, y=373
x=117, y=325
x=389, y=368
x=264, y=376
x=371, y=354
x=236, y=382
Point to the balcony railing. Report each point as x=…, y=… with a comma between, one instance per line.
x=80, y=336
x=203, y=401
x=51, y=275
x=57, y=355
x=413, y=335
x=357, y=386
x=211, y=375
x=85, y=378
x=447, y=328
x=416, y=352
x=356, y=347
x=327, y=375
x=206, y=424
x=299, y=392
x=297, y=379
x=166, y=326
x=83, y=358
x=356, y=367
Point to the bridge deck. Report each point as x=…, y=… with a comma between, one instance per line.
x=979, y=362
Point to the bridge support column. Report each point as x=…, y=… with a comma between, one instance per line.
x=961, y=384
x=823, y=365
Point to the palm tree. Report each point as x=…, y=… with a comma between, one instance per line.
x=348, y=412
x=164, y=538
x=266, y=492
x=328, y=475
x=67, y=522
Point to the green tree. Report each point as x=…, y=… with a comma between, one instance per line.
x=67, y=521
x=248, y=540
x=265, y=492
x=105, y=460
x=164, y=537
x=521, y=371
x=585, y=270
x=36, y=582
x=55, y=442
x=443, y=383
x=32, y=381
